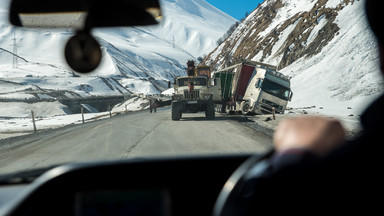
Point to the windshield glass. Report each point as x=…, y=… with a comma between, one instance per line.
x=203, y=71
x=128, y=107
x=276, y=89
x=195, y=81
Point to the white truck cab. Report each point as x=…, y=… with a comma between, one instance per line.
x=251, y=87
x=267, y=90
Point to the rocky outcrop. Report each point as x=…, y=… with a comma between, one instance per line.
x=301, y=34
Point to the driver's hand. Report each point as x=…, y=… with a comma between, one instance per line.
x=316, y=134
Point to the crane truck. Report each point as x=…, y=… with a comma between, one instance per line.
x=251, y=87
x=191, y=93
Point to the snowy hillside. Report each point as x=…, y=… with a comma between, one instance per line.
x=324, y=45
x=194, y=25
x=135, y=60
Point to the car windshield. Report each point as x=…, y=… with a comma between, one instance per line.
x=276, y=89
x=129, y=108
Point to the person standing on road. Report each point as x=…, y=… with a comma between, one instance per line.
x=153, y=104
x=156, y=104
x=150, y=106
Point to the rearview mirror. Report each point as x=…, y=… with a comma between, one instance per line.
x=83, y=53
x=84, y=14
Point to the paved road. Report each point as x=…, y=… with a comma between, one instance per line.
x=134, y=135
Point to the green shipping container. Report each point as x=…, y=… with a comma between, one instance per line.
x=226, y=83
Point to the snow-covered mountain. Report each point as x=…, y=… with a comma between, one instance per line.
x=138, y=59
x=194, y=25
x=325, y=46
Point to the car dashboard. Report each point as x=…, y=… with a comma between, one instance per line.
x=176, y=186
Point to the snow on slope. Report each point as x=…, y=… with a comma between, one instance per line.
x=194, y=25
x=344, y=78
x=139, y=60
x=326, y=46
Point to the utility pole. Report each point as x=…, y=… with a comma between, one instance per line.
x=15, y=63
x=33, y=122
x=82, y=114
x=173, y=41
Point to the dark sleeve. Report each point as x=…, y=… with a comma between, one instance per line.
x=350, y=173
x=293, y=158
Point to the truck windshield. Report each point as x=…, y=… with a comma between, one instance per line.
x=203, y=71
x=276, y=89
x=196, y=81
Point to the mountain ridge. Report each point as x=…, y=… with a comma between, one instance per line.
x=147, y=55
x=325, y=46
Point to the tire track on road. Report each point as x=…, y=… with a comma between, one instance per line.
x=132, y=147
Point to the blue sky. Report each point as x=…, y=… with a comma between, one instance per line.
x=235, y=8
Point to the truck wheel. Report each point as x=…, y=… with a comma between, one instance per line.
x=176, y=112
x=222, y=108
x=245, y=109
x=210, y=111
x=228, y=110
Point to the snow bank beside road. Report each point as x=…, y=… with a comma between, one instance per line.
x=20, y=110
x=16, y=119
x=266, y=124
x=11, y=127
x=133, y=104
x=168, y=91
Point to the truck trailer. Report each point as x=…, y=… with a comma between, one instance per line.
x=251, y=87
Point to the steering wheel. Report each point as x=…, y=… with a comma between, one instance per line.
x=231, y=198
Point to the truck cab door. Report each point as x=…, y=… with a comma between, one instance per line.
x=215, y=89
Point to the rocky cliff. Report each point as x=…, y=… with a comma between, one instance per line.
x=326, y=46
x=304, y=29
